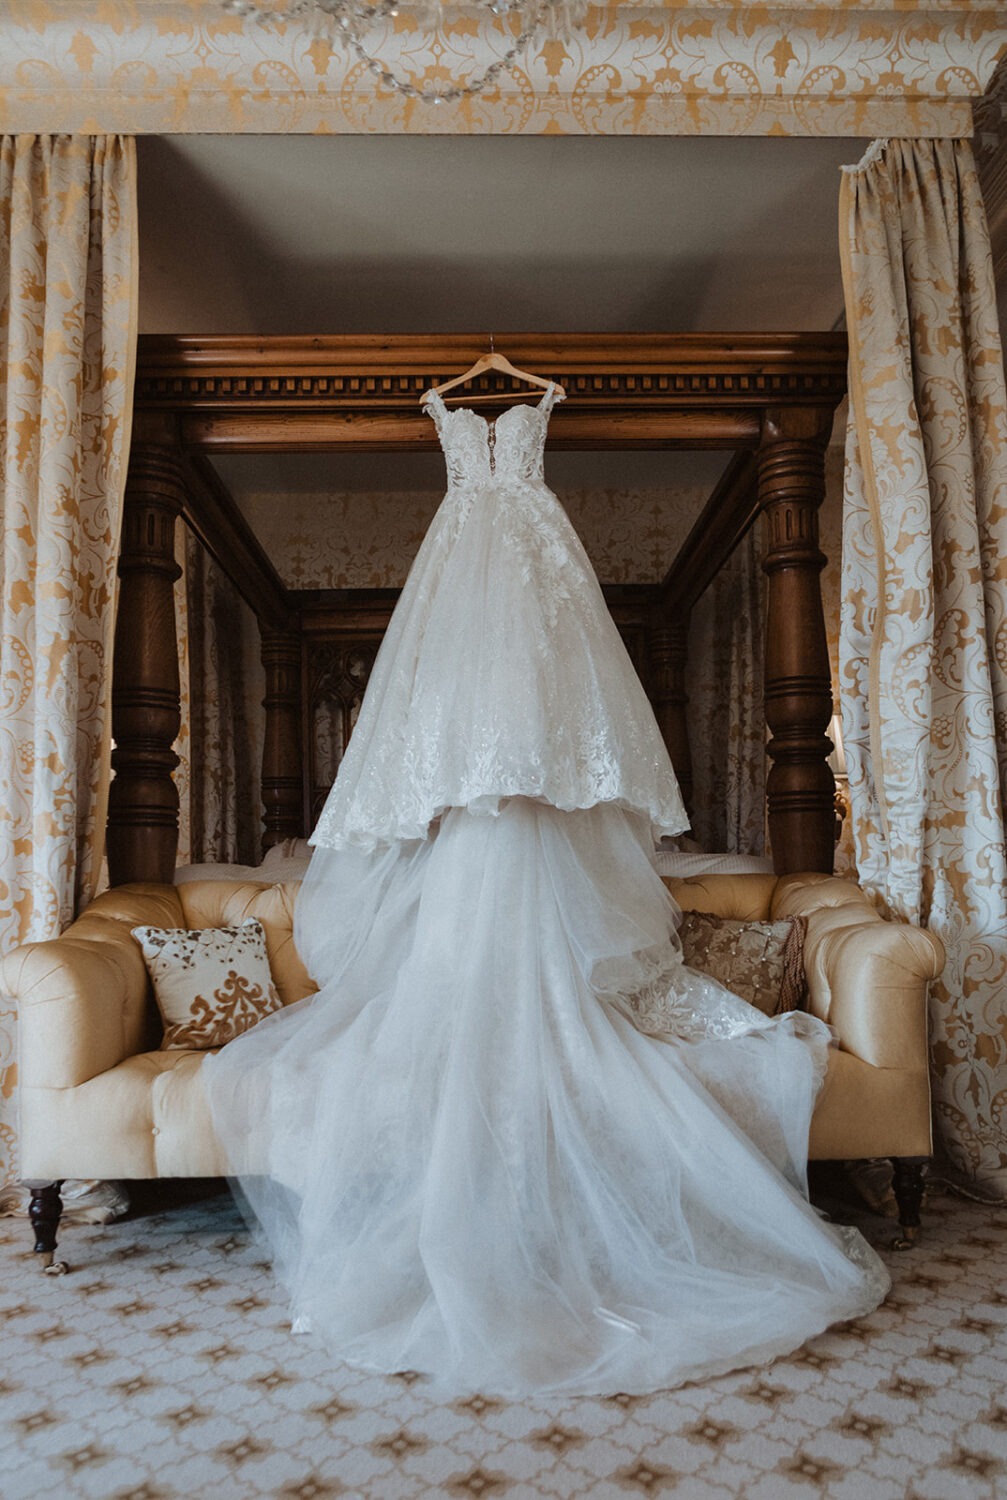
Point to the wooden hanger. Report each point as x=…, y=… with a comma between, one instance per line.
x=491, y=361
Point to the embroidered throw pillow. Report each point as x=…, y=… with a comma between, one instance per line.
x=763, y=962
x=210, y=983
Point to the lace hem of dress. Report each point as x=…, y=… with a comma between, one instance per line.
x=859, y=1253
x=362, y=835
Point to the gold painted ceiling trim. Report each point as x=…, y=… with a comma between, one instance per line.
x=860, y=68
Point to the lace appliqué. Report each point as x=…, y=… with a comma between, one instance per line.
x=686, y=1006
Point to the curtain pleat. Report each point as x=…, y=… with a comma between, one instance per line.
x=68, y=277
x=923, y=638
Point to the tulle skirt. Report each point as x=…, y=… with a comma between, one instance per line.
x=469, y=1161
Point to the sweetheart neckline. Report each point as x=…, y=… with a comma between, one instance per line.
x=490, y=422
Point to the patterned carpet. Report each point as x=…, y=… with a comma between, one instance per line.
x=163, y=1367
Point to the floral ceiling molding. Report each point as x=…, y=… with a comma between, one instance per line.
x=729, y=67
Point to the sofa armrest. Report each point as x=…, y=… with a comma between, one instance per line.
x=869, y=981
x=83, y=999
x=867, y=976
x=81, y=1007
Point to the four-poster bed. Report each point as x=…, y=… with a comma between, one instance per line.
x=108, y=1102
x=769, y=399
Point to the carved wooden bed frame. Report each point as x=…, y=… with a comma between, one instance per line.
x=769, y=399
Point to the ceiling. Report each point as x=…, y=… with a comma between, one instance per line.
x=420, y=234
x=412, y=234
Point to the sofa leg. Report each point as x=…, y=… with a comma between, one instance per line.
x=907, y=1184
x=44, y=1211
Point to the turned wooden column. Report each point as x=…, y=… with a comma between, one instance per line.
x=283, y=797
x=143, y=798
x=800, y=787
x=669, y=643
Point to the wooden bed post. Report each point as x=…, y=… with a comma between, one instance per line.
x=283, y=796
x=800, y=788
x=143, y=798
x=669, y=646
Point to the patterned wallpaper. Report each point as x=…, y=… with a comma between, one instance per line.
x=862, y=68
x=367, y=540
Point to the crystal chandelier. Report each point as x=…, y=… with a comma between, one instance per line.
x=351, y=21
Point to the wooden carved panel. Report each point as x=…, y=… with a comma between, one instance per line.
x=337, y=675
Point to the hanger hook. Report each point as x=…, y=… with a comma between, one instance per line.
x=492, y=350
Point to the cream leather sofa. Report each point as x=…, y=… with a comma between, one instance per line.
x=99, y=1100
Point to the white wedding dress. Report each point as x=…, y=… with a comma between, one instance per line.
x=513, y=1142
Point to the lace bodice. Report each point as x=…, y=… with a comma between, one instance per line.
x=501, y=673
x=479, y=452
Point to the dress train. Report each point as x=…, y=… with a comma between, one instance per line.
x=480, y=1168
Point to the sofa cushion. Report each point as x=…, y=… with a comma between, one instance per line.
x=219, y=903
x=210, y=983
x=760, y=961
x=746, y=897
x=147, y=1117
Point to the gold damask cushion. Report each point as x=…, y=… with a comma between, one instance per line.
x=210, y=983
x=763, y=962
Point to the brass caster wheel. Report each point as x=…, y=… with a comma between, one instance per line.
x=907, y=1238
x=50, y=1266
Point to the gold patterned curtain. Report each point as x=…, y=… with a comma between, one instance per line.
x=222, y=812
x=727, y=724
x=68, y=266
x=924, y=616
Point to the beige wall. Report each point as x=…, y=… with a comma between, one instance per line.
x=350, y=539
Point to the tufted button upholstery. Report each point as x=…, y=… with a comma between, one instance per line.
x=217, y=903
